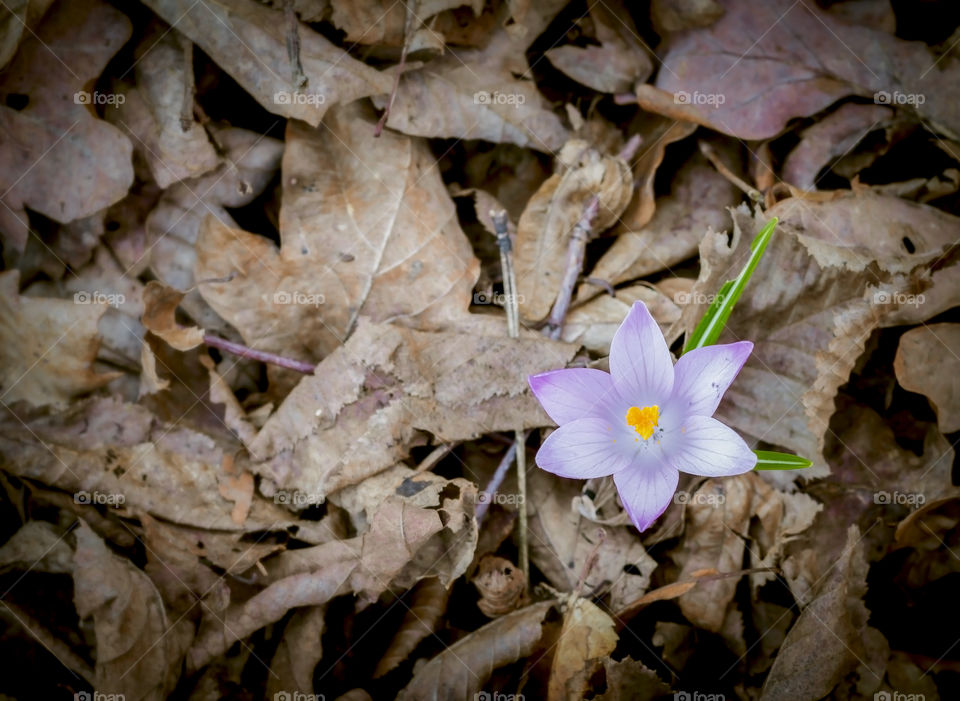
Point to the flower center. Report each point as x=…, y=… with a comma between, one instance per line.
x=643, y=419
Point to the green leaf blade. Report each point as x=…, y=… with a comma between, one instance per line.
x=770, y=460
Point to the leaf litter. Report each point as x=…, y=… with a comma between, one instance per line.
x=276, y=274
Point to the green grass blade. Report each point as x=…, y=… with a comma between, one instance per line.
x=769, y=460
x=712, y=323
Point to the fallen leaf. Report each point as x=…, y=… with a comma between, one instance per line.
x=37, y=546
x=586, y=638
x=377, y=236
x=630, y=680
x=248, y=40
x=428, y=604
x=927, y=363
x=501, y=585
x=50, y=345
x=460, y=671
x=57, y=131
x=160, y=305
x=298, y=653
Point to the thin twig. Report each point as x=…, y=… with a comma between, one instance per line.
x=494, y=485
x=502, y=229
x=407, y=35
x=711, y=154
x=189, y=85
x=436, y=455
x=264, y=357
x=297, y=77
x=576, y=250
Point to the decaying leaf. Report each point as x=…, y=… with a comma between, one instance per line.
x=501, y=585
x=299, y=652
x=247, y=39
x=927, y=362
x=57, y=132
x=37, y=546
x=586, y=639
x=428, y=603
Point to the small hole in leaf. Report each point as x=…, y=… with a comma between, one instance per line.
x=630, y=568
x=908, y=244
x=17, y=101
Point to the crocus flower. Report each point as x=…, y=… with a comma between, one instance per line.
x=647, y=420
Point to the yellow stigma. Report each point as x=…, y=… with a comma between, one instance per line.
x=643, y=420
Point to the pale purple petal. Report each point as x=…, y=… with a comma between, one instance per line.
x=703, y=375
x=701, y=445
x=640, y=360
x=646, y=491
x=585, y=448
x=575, y=393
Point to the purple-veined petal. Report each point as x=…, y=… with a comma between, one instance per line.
x=703, y=375
x=585, y=448
x=574, y=393
x=646, y=491
x=640, y=361
x=701, y=445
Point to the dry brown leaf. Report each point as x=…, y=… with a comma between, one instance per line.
x=695, y=205
x=19, y=15
x=404, y=544
x=586, y=639
x=755, y=69
x=247, y=39
x=561, y=541
x=152, y=110
x=927, y=362
x=383, y=22
x=832, y=137
x=617, y=63
x=139, y=652
x=630, y=680
x=545, y=227
x=37, y=546
x=376, y=236
x=481, y=97
x=49, y=345
x=428, y=603
x=460, y=671
x=831, y=274
x=299, y=651
x=370, y=400
x=832, y=629
x=501, y=585
x=57, y=133
x=160, y=304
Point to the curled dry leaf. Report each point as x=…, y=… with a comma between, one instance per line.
x=586, y=639
x=371, y=399
x=247, y=39
x=152, y=110
x=20, y=16
x=829, y=276
x=139, y=652
x=561, y=542
x=552, y=213
x=927, y=362
x=755, y=69
x=481, y=95
x=160, y=304
x=630, y=680
x=49, y=345
x=404, y=544
x=501, y=586
x=428, y=604
x=695, y=205
x=376, y=236
x=620, y=59
x=39, y=547
x=460, y=671
x=299, y=651
x=57, y=132
x=382, y=22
